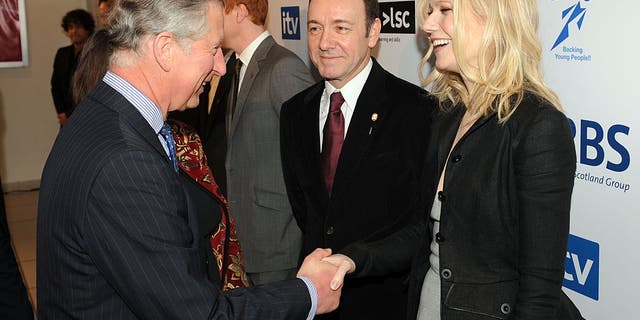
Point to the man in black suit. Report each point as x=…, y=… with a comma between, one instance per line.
x=118, y=233
x=14, y=300
x=363, y=189
x=78, y=25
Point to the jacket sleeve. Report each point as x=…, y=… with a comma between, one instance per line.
x=138, y=235
x=287, y=147
x=58, y=82
x=544, y=165
x=393, y=252
x=289, y=76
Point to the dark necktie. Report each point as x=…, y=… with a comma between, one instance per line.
x=332, y=139
x=234, y=92
x=171, y=145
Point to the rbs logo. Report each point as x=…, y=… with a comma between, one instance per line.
x=290, y=23
x=581, y=270
x=592, y=144
x=398, y=17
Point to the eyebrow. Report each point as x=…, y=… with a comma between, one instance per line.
x=332, y=21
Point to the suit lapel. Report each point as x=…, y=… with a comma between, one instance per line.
x=129, y=115
x=249, y=76
x=361, y=131
x=219, y=104
x=310, y=135
x=447, y=129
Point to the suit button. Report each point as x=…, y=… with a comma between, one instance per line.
x=439, y=237
x=457, y=158
x=330, y=231
x=505, y=308
x=441, y=196
x=446, y=274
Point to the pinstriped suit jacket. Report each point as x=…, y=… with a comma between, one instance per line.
x=117, y=230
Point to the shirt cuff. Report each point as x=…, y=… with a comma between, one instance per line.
x=314, y=296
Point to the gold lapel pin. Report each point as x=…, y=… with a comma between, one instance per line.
x=374, y=118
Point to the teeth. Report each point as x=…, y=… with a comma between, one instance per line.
x=441, y=42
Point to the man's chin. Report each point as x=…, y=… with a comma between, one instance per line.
x=190, y=104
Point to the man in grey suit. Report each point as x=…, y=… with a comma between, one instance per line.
x=118, y=228
x=268, y=75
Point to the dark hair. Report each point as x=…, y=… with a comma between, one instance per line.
x=78, y=16
x=101, y=1
x=92, y=65
x=371, y=11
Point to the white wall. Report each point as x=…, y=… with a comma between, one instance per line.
x=28, y=123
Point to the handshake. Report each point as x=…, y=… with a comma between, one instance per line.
x=326, y=272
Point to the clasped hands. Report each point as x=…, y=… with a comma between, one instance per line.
x=327, y=273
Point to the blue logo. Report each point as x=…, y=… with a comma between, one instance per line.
x=582, y=267
x=573, y=14
x=591, y=142
x=290, y=23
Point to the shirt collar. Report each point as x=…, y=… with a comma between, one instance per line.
x=144, y=105
x=246, y=55
x=351, y=90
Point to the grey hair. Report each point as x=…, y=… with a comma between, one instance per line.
x=132, y=20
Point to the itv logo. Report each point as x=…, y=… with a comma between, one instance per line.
x=290, y=23
x=582, y=267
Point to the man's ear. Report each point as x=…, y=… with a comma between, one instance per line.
x=241, y=12
x=164, y=47
x=374, y=32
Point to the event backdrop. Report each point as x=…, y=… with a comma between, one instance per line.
x=590, y=59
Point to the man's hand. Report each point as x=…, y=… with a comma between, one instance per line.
x=321, y=274
x=344, y=264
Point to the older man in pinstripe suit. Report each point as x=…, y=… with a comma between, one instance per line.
x=117, y=222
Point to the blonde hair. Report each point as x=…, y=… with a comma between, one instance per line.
x=509, y=59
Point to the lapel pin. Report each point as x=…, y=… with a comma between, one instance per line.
x=374, y=118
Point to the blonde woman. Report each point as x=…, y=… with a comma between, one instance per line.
x=494, y=235
x=500, y=218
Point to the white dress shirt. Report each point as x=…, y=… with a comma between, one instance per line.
x=350, y=92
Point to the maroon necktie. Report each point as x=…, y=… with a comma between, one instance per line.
x=332, y=138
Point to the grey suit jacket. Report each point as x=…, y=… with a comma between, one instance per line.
x=270, y=237
x=117, y=232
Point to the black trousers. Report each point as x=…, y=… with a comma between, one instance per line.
x=14, y=300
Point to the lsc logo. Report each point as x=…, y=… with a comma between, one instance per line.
x=290, y=23
x=582, y=267
x=398, y=17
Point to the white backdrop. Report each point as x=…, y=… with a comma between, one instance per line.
x=590, y=60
